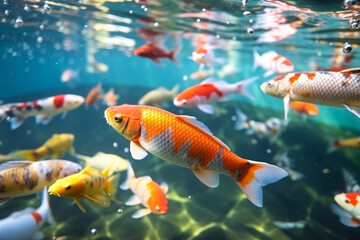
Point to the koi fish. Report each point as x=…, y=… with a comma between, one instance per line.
x=210, y=91
x=271, y=128
x=43, y=109
x=159, y=96
x=186, y=142
x=56, y=146
x=102, y=160
x=155, y=53
x=147, y=192
x=202, y=74
x=69, y=75
x=110, y=98
x=349, y=210
x=26, y=224
x=90, y=184
x=21, y=178
x=338, y=89
x=307, y=109
x=272, y=62
x=95, y=94
x=205, y=56
x=335, y=144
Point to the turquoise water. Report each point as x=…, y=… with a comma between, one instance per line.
x=34, y=55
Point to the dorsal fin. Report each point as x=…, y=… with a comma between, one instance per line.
x=14, y=164
x=196, y=123
x=351, y=71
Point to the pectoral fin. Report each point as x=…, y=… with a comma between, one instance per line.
x=140, y=213
x=77, y=200
x=210, y=179
x=137, y=152
x=354, y=110
x=99, y=199
x=286, y=105
x=206, y=108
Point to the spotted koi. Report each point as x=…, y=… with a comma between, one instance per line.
x=42, y=109
x=338, y=89
x=186, y=142
x=21, y=178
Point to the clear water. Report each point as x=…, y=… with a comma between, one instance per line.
x=35, y=53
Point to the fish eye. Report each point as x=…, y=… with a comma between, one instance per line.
x=269, y=84
x=347, y=201
x=68, y=187
x=118, y=118
x=184, y=101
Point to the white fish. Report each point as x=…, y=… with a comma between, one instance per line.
x=43, y=109
x=26, y=224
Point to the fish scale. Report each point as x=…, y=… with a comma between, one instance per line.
x=186, y=142
x=332, y=88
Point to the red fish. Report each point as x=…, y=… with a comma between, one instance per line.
x=186, y=142
x=155, y=53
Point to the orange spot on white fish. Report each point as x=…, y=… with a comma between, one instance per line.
x=36, y=216
x=294, y=78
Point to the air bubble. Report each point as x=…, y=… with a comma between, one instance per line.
x=198, y=20
x=250, y=31
x=115, y=145
x=347, y=47
x=42, y=27
x=39, y=39
x=268, y=151
x=93, y=231
x=7, y=12
x=126, y=150
x=156, y=24
x=185, y=77
x=19, y=22
x=354, y=23
x=131, y=12
x=246, y=13
x=46, y=8
x=26, y=8
x=120, y=210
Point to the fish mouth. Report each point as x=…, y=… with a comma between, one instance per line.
x=53, y=192
x=262, y=87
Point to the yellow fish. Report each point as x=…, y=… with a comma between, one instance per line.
x=102, y=160
x=20, y=178
x=55, y=147
x=90, y=184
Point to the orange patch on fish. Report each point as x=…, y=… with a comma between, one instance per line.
x=311, y=75
x=352, y=197
x=294, y=78
x=201, y=50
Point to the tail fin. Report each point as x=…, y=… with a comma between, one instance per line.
x=130, y=174
x=257, y=60
x=333, y=145
x=173, y=54
x=243, y=87
x=257, y=175
x=174, y=90
x=44, y=209
x=30, y=155
x=113, y=181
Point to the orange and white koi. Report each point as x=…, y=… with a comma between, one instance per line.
x=95, y=94
x=26, y=224
x=271, y=128
x=90, y=184
x=307, y=109
x=42, y=109
x=205, y=56
x=272, y=62
x=209, y=91
x=147, y=192
x=349, y=210
x=338, y=89
x=110, y=98
x=55, y=147
x=21, y=178
x=186, y=142
x=335, y=144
